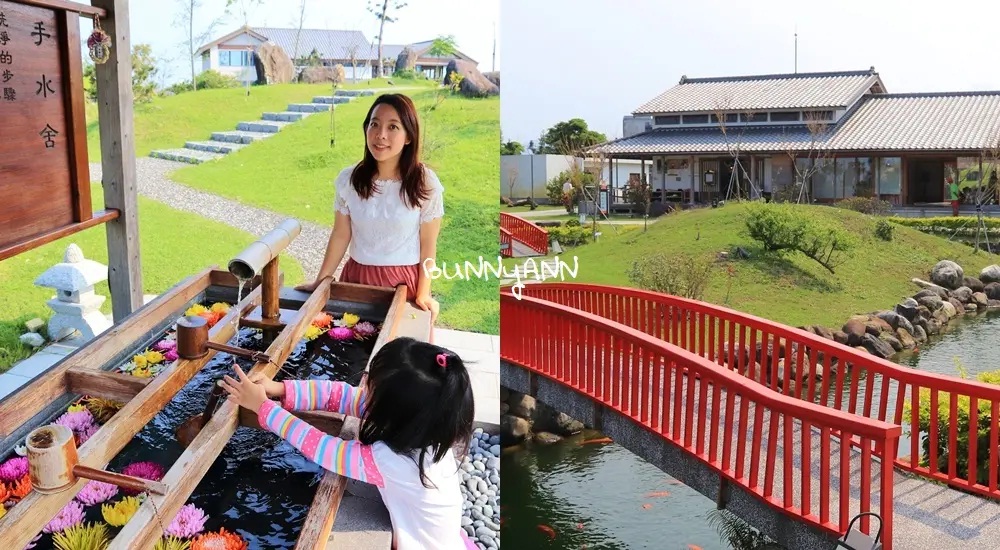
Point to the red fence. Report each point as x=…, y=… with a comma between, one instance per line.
x=526, y=232
x=811, y=368
x=713, y=414
x=506, y=246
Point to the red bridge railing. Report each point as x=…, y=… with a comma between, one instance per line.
x=811, y=368
x=713, y=414
x=526, y=232
x=506, y=246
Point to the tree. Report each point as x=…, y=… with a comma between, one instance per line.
x=511, y=148
x=352, y=54
x=815, y=159
x=639, y=195
x=381, y=12
x=186, y=20
x=144, y=72
x=298, y=33
x=566, y=137
x=723, y=116
x=443, y=46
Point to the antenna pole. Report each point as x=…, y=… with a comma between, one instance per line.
x=796, y=51
x=494, y=66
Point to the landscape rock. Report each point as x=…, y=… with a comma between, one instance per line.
x=962, y=294
x=406, y=60
x=971, y=308
x=992, y=291
x=513, y=429
x=938, y=289
x=877, y=347
x=990, y=274
x=908, y=309
x=892, y=341
x=322, y=75
x=546, y=438
x=493, y=76
x=905, y=338
x=32, y=339
x=980, y=299
x=932, y=303
x=522, y=405
x=473, y=83
x=957, y=304
x=854, y=329
x=994, y=303
x=823, y=332
x=919, y=334
x=947, y=274
x=273, y=65
x=975, y=284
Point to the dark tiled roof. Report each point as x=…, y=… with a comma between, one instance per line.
x=758, y=139
x=329, y=44
x=780, y=91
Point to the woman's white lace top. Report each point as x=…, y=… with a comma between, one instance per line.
x=384, y=229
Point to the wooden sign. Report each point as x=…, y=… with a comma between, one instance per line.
x=44, y=172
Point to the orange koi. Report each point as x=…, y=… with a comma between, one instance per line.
x=694, y=547
x=600, y=440
x=658, y=494
x=548, y=531
x=647, y=506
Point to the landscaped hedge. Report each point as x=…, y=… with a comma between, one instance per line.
x=947, y=223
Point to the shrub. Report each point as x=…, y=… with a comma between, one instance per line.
x=569, y=235
x=947, y=224
x=685, y=276
x=866, y=205
x=579, y=179
x=783, y=227
x=884, y=230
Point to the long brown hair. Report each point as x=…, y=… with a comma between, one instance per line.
x=411, y=170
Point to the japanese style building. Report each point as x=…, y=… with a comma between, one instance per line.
x=846, y=135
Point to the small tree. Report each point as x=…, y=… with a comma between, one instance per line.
x=639, y=195
x=734, y=146
x=814, y=157
x=511, y=148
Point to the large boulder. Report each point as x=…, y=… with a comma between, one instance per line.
x=948, y=274
x=990, y=274
x=975, y=284
x=473, y=83
x=493, y=76
x=992, y=291
x=273, y=65
x=322, y=75
x=406, y=60
x=962, y=294
x=877, y=347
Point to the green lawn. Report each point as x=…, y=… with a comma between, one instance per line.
x=168, y=122
x=173, y=245
x=796, y=290
x=293, y=173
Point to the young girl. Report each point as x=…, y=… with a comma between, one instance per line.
x=388, y=208
x=416, y=406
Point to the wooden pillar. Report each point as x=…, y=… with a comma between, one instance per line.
x=691, y=166
x=114, y=108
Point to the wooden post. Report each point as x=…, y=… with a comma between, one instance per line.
x=269, y=311
x=114, y=108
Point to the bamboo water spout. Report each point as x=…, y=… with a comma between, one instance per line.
x=259, y=254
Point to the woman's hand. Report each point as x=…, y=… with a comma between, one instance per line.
x=427, y=303
x=245, y=393
x=307, y=287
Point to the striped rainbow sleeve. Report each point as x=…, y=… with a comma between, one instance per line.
x=310, y=395
x=347, y=458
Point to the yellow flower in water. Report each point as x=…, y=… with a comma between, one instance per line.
x=3, y=511
x=350, y=320
x=120, y=512
x=313, y=332
x=140, y=361
x=220, y=307
x=154, y=357
x=172, y=543
x=75, y=408
x=196, y=309
x=90, y=536
x=143, y=372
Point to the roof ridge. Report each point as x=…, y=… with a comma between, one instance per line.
x=686, y=80
x=934, y=94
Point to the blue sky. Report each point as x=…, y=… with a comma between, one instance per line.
x=600, y=59
x=471, y=22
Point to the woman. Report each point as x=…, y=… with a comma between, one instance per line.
x=388, y=208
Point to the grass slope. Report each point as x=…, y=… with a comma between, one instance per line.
x=293, y=173
x=167, y=251
x=168, y=122
x=793, y=290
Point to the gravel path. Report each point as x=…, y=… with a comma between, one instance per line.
x=151, y=175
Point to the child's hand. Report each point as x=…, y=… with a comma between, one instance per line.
x=244, y=393
x=273, y=389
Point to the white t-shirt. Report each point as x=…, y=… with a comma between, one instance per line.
x=422, y=518
x=385, y=230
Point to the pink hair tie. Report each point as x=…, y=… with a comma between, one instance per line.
x=442, y=360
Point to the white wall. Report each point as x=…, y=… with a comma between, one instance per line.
x=530, y=173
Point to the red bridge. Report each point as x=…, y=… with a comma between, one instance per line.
x=520, y=237
x=791, y=425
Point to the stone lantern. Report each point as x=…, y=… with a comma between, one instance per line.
x=75, y=304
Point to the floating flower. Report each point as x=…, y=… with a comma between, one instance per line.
x=4, y=495
x=211, y=317
x=154, y=357
x=76, y=407
x=92, y=536
x=140, y=361
x=350, y=319
x=146, y=470
x=96, y=492
x=221, y=540
x=196, y=309
x=221, y=308
x=70, y=515
x=165, y=345
x=87, y=433
x=364, y=329
x=172, y=543
x=21, y=487
x=312, y=332
x=190, y=521
x=76, y=421
x=341, y=333
x=142, y=372
x=171, y=355
x=103, y=409
x=14, y=469
x=322, y=320
x=3, y=510
x=119, y=513
x=33, y=542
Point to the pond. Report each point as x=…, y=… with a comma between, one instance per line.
x=260, y=487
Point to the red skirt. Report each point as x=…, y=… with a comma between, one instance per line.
x=389, y=276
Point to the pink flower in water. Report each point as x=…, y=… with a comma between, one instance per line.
x=146, y=470
x=341, y=333
x=69, y=516
x=96, y=492
x=76, y=420
x=364, y=328
x=189, y=522
x=165, y=345
x=171, y=355
x=86, y=433
x=14, y=469
x=33, y=542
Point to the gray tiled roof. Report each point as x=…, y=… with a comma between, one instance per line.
x=913, y=122
x=782, y=91
x=962, y=121
x=330, y=44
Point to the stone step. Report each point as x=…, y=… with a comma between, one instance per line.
x=331, y=100
x=309, y=107
x=268, y=126
x=353, y=93
x=240, y=136
x=285, y=116
x=224, y=147
x=189, y=156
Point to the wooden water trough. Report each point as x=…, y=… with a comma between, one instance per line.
x=284, y=312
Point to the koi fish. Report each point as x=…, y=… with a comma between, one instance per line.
x=579, y=526
x=658, y=494
x=647, y=506
x=548, y=531
x=600, y=440
x=694, y=547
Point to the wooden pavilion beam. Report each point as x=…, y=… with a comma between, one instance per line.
x=25, y=520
